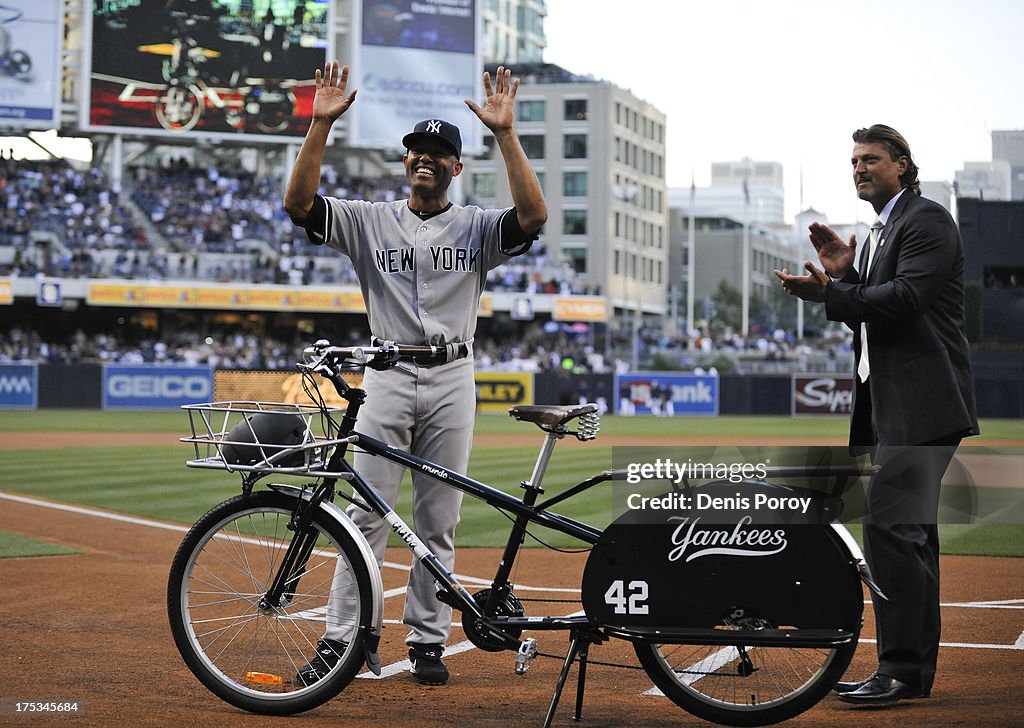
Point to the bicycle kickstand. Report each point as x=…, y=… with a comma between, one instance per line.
x=579, y=648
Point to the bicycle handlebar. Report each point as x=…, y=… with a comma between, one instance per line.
x=382, y=355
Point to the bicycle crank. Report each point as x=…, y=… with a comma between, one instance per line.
x=478, y=631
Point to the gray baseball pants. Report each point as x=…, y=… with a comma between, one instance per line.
x=430, y=413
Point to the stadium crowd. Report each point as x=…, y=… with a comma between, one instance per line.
x=546, y=348
x=176, y=221
x=183, y=222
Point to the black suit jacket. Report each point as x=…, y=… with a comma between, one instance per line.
x=912, y=301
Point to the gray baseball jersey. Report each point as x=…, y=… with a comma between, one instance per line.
x=419, y=277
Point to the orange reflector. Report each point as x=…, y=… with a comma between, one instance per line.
x=264, y=678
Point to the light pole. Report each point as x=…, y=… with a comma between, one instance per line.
x=691, y=265
x=746, y=259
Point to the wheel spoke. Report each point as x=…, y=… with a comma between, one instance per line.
x=715, y=682
x=250, y=652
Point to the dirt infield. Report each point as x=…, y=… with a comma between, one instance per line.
x=92, y=627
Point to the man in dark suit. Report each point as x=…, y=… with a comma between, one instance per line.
x=913, y=399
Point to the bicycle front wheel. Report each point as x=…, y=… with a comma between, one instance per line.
x=744, y=686
x=250, y=653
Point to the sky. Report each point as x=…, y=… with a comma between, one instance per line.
x=790, y=80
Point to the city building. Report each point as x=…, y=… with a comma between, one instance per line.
x=938, y=191
x=743, y=190
x=718, y=255
x=984, y=180
x=993, y=235
x=746, y=190
x=599, y=152
x=514, y=31
x=1008, y=146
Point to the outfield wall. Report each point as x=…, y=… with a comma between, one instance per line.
x=1000, y=391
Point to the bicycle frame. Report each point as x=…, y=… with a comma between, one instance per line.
x=493, y=618
x=526, y=511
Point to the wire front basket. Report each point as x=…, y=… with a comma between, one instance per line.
x=263, y=437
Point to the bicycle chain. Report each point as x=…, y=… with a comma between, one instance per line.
x=592, y=662
x=562, y=657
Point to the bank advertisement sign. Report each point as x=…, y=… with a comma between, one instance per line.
x=415, y=60
x=19, y=386
x=822, y=394
x=155, y=387
x=666, y=394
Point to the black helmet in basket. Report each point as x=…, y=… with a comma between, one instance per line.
x=269, y=433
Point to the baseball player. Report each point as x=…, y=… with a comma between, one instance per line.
x=422, y=264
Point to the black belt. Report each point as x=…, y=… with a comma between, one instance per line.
x=445, y=353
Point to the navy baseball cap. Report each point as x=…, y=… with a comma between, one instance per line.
x=436, y=130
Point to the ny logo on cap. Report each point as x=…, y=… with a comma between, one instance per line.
x=434, y=126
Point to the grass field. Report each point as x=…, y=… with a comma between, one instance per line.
x=727, y=426
x=13, y=546
x=153, y=481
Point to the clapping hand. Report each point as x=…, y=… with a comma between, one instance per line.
x=810, y=287
x=836, y=256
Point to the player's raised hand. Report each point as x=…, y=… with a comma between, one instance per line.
x=330, y=100
x=496, y=113
x=836, y=256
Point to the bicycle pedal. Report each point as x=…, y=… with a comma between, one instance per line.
x=527, y=651
x=445, y=598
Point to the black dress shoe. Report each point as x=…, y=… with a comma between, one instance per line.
x=881, y=690
x=849, y=687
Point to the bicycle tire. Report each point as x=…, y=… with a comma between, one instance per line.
x=247, y=655
x=715, y=683
x=741, y=622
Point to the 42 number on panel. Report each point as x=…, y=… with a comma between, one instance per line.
x=628, y=598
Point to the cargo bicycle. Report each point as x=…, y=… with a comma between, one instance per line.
x=727, y=637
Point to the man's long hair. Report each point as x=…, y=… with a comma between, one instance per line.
x=897, y=146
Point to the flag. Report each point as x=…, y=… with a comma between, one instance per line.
x=746, y=191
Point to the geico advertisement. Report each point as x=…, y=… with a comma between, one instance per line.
x=19, y=386
x=155, y=387
x=822, y=395
x=497, y=391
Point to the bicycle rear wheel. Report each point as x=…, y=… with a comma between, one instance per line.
x=247, y=653
x=744, y=686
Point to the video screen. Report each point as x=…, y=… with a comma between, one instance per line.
x=205, y=67
x=434, y=25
